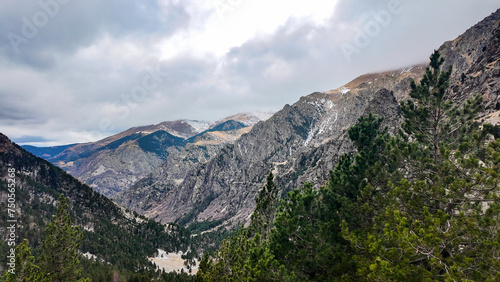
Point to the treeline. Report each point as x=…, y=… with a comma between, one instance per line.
x=420, y=205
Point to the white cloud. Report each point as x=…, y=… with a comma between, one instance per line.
x=213, y=61
x=230, y=23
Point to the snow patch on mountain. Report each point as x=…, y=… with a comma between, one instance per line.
x=248, y=119
x=199, y=126
x=344, y=90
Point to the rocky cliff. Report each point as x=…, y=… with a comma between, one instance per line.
x=303, y=141
x=198, y=149
x=113, y=164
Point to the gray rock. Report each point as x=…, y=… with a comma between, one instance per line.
x=303, y=141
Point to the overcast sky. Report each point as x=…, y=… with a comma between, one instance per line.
x=78, y=71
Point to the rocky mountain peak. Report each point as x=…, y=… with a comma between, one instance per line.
x=248, y=119
x=303, y=141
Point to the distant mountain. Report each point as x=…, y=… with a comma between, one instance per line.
x=228, y=126
x=115, y=163
x=198, y=149
x=247, y=119
x=179, y=128
x=47, y=152
x=111, y=234
x=303, y=141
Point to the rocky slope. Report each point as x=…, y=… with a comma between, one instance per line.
x=300, y=142
x=113, y=164
x=303, y=141
x=199, y=149
x=475, y=59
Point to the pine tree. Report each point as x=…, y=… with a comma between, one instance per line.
x=26, y=269
x=263, y=215
x=442, y=216
x=296, y=241
x=440, y=139
x=307, y=238
x=433, y=123
x=246, y=255
x=59, y=258
x=356, y=176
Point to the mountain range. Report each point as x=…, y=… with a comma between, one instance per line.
x=303, y=141
x=188, y=172
x=114, y=238
x=115, y=163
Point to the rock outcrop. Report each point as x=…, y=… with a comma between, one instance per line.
x=299, y=143
x=110, y=166
x=303, y=141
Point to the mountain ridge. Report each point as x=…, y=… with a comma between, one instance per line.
x=303, y=141
x=113, y=164
x=38, y=184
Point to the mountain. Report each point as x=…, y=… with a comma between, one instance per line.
x=113, y=167
x=199, y=149
x=47, y=152
x=247, y=119
x=310, y=133
x=115, y=163
x=303, y=141
x=113, y=235
x=179, y=128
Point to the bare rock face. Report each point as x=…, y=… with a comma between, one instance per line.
x=149, y=191
x=303, y=141
x=299, y=143
x=112, y=165
x=475, y=59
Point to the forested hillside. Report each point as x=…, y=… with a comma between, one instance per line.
x=119, y=240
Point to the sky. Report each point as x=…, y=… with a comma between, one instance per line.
x=75, y=71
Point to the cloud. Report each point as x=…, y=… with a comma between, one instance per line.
x=98, y=67
x=37, y=33
x=382, y=34
x=31, y=139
